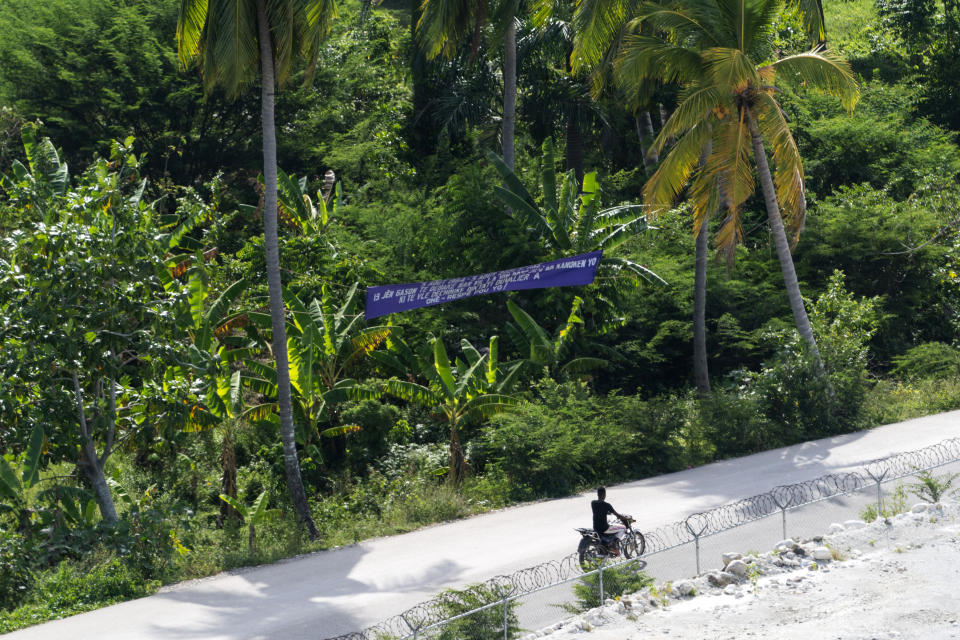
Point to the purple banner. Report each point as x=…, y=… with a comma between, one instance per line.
x=566, y=272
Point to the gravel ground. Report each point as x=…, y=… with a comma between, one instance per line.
x=895, y=578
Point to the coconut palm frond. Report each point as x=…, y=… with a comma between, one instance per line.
x=823, y=70
x=731, y=158
x=694, y=104
x=788, y=166
x=682, y=22
x=232, y=42
x=190, y=29
x=644, y=58
x=662, y=189
x=596, y=24
x=813, y=18
x=731, y=69
x=443, y=24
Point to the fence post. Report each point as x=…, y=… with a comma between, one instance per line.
x=602, y=560
x=506, y=623
x=878, y=480
x=505, y=597
x=783, y=513
x=696, y=536
x=415, y=630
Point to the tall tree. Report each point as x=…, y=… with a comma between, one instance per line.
x=85, y=324
x=727, y=104
x=445, y=25
x=605, y=27
x=237, y=42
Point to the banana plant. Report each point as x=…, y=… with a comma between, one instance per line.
x=568, y=221
x=297, y=209
x=210, y=371
x=253, y=515
x=211, y=352
x=468, y=389
x=324, y=343
x=15, y=482
x=546, y=352
x=310, y=216
x=44, y=179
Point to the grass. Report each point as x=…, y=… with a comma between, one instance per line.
x=895, y=401
x=77, y=586
x=846, y=19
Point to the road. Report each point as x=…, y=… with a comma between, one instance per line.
x=341, y=590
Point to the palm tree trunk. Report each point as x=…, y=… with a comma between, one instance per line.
x=458, y=465
x=664, y=116
x=780, y=241
x=574, y=146
x=645, y=132
x=272, y=249
x=509, y=90
x=423, y=134
x=701, y=374
x=228, y=479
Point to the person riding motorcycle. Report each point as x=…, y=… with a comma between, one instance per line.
x=601, y=508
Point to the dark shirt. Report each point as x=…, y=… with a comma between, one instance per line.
x=600, y=510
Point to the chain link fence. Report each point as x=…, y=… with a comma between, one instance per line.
x=507, y=607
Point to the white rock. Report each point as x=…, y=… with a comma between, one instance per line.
x=721, y=578
x=684, y=587
x=788, y=543
x=836, y=527
x=854, y=524
x=920, y=507
x=822, y=554
x=730, y=557
x=730, y=589
x=737, y=568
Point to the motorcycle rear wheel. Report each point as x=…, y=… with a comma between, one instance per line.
x=589, y=555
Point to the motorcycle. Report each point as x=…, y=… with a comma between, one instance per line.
x=618, y=539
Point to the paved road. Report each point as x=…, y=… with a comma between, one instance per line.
x=346, y=589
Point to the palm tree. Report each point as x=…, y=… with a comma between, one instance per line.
x=605, y=29
x=727, y=105
x=234, y=40
x=445, y=24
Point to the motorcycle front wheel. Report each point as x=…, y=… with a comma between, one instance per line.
x=633, y=544
x=588, y=554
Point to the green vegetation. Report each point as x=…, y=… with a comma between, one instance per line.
x=617, y=581
x=187, y=382
x=932, y=488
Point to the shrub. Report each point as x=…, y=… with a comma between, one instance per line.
x=17, y=561
x=893, y=401
x=932, y=488
x=482, y=625
x=928, y=360
x=616, y=582
x=794, y=394
x=73, y=587
x=735, y=423
x=573, y=439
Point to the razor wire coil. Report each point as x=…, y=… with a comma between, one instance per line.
x=697, y=525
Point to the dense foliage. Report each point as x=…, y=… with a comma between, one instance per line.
x=139, y=430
